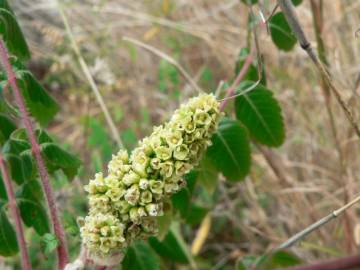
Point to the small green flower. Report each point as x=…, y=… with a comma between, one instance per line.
x=163, y=152
x=139, y=163
x=174, y=138
x=202, y=118
x=155, y=163
x=143, y=183
x=181, y=152
x=131, y=178
x=153, y=209
x=115, y=193
x=156, y=186
x=122, y=206
x=167, y=169
x=190, y=127
x=145, y=197
x=181, y=168
x=132, y=195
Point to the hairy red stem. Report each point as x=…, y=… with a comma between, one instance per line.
x=44, y=176
x=231, y=90
x=25, y=261
x=343, y=263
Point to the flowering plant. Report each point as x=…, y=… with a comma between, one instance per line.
x=124, y=205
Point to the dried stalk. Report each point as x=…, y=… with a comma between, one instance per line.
x=300, y=235
x=291, y=17
x=93, y=86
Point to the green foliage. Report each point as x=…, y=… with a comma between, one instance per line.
x=281, y=33
x=48, y=243
x=39, y=103
x=6, y=128
x=34, y=215
x=11, y=32
x=296, y=2
x=140, y=256
x=16, y=168
x=31, y=190
x=277, y=260
x=281, y=259
x=57, y=158
x=207, y=175
x=173, y=247
x=230, y=152
x=3, y=195
x=8, y=243
x=260, y=112
x=249, y=2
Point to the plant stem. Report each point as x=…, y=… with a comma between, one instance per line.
x=318, y=22
x=93, y=86
x=231, y=90
x=44, y=176
x=300, y=235
x=291, y=17
x=343, y=263
x=25, y=261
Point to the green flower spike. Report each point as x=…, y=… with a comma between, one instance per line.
x=125, y=205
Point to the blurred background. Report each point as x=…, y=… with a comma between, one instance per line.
x=314, y=172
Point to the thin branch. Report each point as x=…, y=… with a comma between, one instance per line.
x=87, y=73
x=290, y=14
x=167, y=58
x=300, y=235
x=44, y=176
x=25, y=261
x=231, y=90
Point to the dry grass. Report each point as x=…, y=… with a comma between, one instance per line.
x=265, y=209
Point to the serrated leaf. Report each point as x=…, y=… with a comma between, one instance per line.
x=39, y=103
x=34, y=215
x=31, y=190
x=11, y=32
x=8, y=242
x=57, y=158
x=181, y=201
x=281, y=33
x=173, y=246
x=207, y=175
x=16, y=168
x=196, y=214
x=296, y=2
x=140, y=256
x=17, y=142
x=48, y=243
x=6, y=128
x=260, y=112
x=42, y=136
x=29, y=167
x=3, y=194
x=230, y=150
x=249, y=2
x=281, y=259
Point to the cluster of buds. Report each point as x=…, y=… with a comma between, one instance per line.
x=125, y=204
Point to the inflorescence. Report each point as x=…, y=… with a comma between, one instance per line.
x=124, y=205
